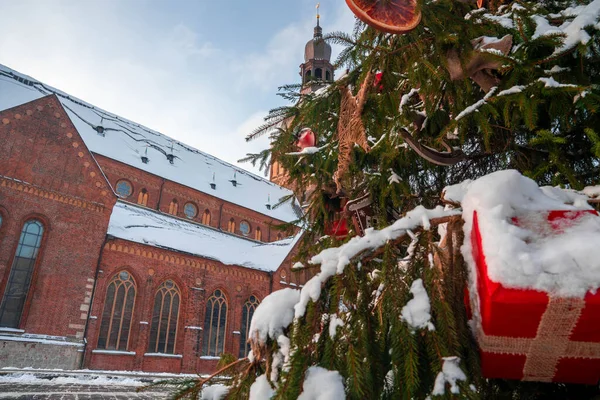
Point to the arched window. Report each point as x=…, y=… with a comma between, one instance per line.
x=307, y=76
x=247, y=313
x=173, y=207
x=257, y=233
x=163, y=332
x=124, y=188
x=143, y=197
x=21, y=272
x=215, y=323
x=319, y=73
x=118, y=312
x=190, y=210
x=279, y=236
x=231, y=226
x=206, y=217
x=327, y=75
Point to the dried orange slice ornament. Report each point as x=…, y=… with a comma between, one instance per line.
x=391, y=16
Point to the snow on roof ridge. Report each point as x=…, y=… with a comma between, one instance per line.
x=81, y=102
x=126, y=141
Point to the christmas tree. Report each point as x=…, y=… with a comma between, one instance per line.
x=468, y=91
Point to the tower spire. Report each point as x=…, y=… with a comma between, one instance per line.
x=318, y=30
x=318, y=16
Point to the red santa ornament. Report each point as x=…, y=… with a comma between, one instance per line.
x=306, y=138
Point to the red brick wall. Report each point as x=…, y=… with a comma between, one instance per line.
x=166, y=191
x=197, y=279
x=46, y=172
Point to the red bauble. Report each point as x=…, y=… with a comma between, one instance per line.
x=377, y=82
x=306, y=138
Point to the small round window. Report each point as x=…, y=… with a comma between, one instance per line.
x=190, y=210
x=124, y=188
x=124, y=275
x=245, y=228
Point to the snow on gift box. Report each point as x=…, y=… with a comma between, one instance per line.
x=534, y=263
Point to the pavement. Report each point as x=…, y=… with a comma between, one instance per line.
x=74, y=391
x=79, y=385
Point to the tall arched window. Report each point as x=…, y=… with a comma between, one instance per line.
x=327, y=76
x=231, y=225
x=21, y=272
x=206, y=217
x=173, y=207
x=163, y=332
x=279, y=236
x=118, y=313
x=143, y=197
x=257, y=233
x=319, y=73
x=247, y=313
x=215, y=323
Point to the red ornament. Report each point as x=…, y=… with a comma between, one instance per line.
x=306, y=138
x=377, y=82
x=337, y=228
x=531, y=336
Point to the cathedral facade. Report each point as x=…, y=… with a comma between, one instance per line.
x=124, y=249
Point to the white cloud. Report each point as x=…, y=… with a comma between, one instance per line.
x=168, y=78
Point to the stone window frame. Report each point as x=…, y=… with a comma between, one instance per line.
x=143, y=197
x=248, y=309
x=125, y=181
x=173, y=207
x=167, y=289
x=206, y=217
x=231, y=225
x=33, y=266
x=129, y=284
x=249, y=231
x=185, y=210
x=215, y=311
x=258, y=234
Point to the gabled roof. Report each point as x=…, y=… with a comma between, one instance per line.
x=126, y=141
x=149, y=227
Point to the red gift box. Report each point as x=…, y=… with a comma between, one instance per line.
x=531, y=336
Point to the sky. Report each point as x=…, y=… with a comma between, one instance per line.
x=203, y=72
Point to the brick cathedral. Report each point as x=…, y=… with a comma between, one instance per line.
x=124, y=249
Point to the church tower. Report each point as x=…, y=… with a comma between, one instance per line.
x=316, y=70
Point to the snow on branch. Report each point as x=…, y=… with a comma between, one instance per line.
x=416, y=313
x=334, y=260
x=474, y=107
x=451, y=373
x=273, y=314
x=322, y=384
x=307, y=150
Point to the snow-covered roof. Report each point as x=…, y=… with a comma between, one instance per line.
x=127, y=142
x=145, y=226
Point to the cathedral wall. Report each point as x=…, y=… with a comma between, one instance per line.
x=48, y=176
x=197, y=280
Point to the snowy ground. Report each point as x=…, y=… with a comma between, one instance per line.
x=77, y=385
